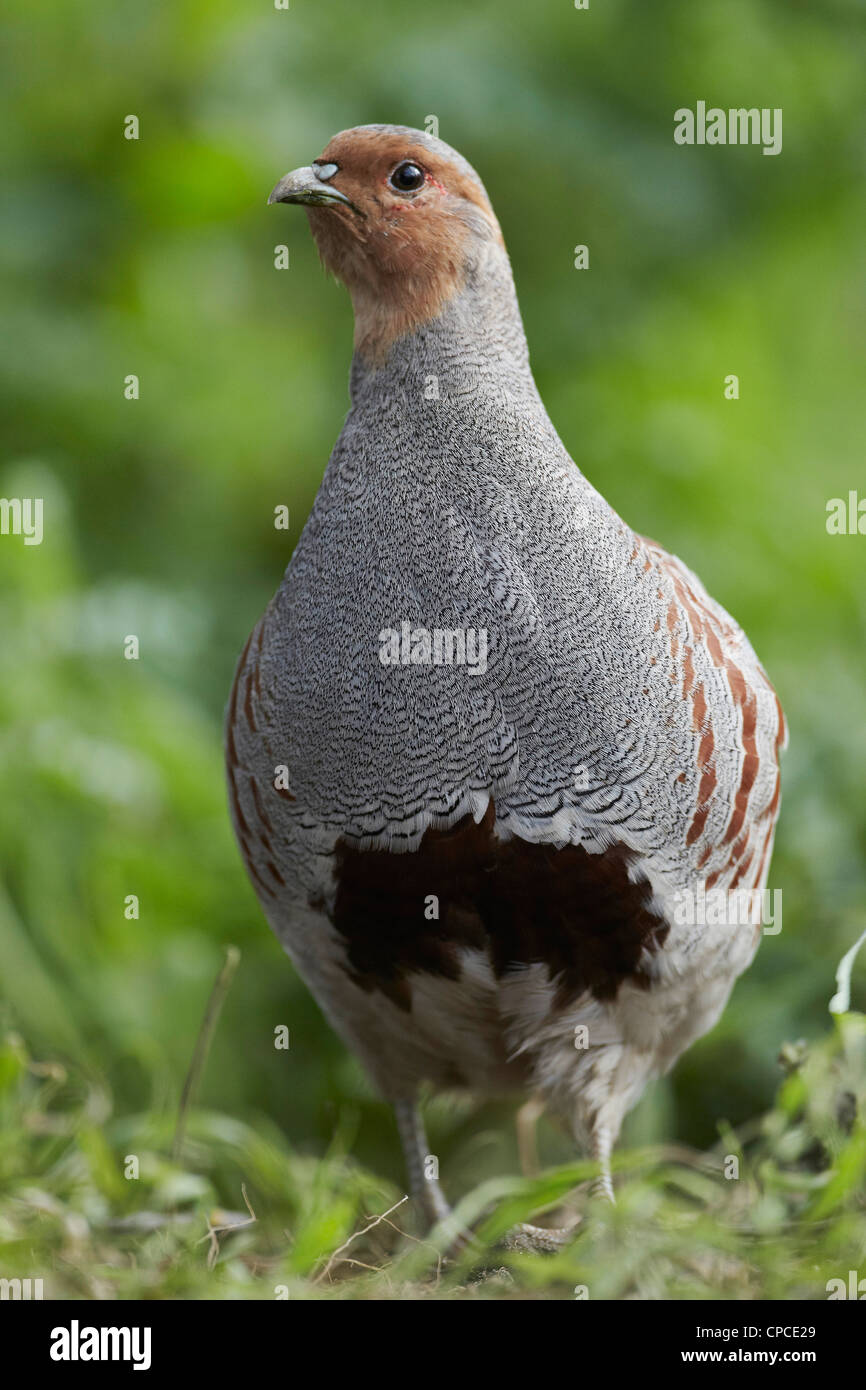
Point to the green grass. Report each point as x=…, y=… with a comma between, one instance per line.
x=772, y=1211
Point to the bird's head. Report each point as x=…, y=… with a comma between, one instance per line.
x=402, y=219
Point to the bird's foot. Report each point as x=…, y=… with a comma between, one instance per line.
x=539, y=1240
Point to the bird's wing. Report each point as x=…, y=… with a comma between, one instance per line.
x=740, y=855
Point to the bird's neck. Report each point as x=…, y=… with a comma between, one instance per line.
x=475, y=342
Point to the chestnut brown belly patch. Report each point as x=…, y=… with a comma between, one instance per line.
x=521, y=904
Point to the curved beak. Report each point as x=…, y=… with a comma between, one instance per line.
x=306, y=186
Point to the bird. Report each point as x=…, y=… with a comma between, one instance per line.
x=487, y=744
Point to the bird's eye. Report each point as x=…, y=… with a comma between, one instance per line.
x=407, y=177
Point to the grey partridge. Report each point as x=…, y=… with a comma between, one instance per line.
x=486, y=741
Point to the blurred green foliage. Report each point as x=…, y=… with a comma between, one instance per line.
x=775, y=1210
x=156, y=257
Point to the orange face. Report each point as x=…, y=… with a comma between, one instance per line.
x=397, y=221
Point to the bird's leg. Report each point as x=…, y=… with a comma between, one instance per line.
x=431, y=1199
x=424, y=1189
x=537, y=1239
x=549, y=1239
x=602, y=1148
x=526, y=1124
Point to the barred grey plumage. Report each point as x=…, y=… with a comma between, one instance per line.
x=469, y=863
